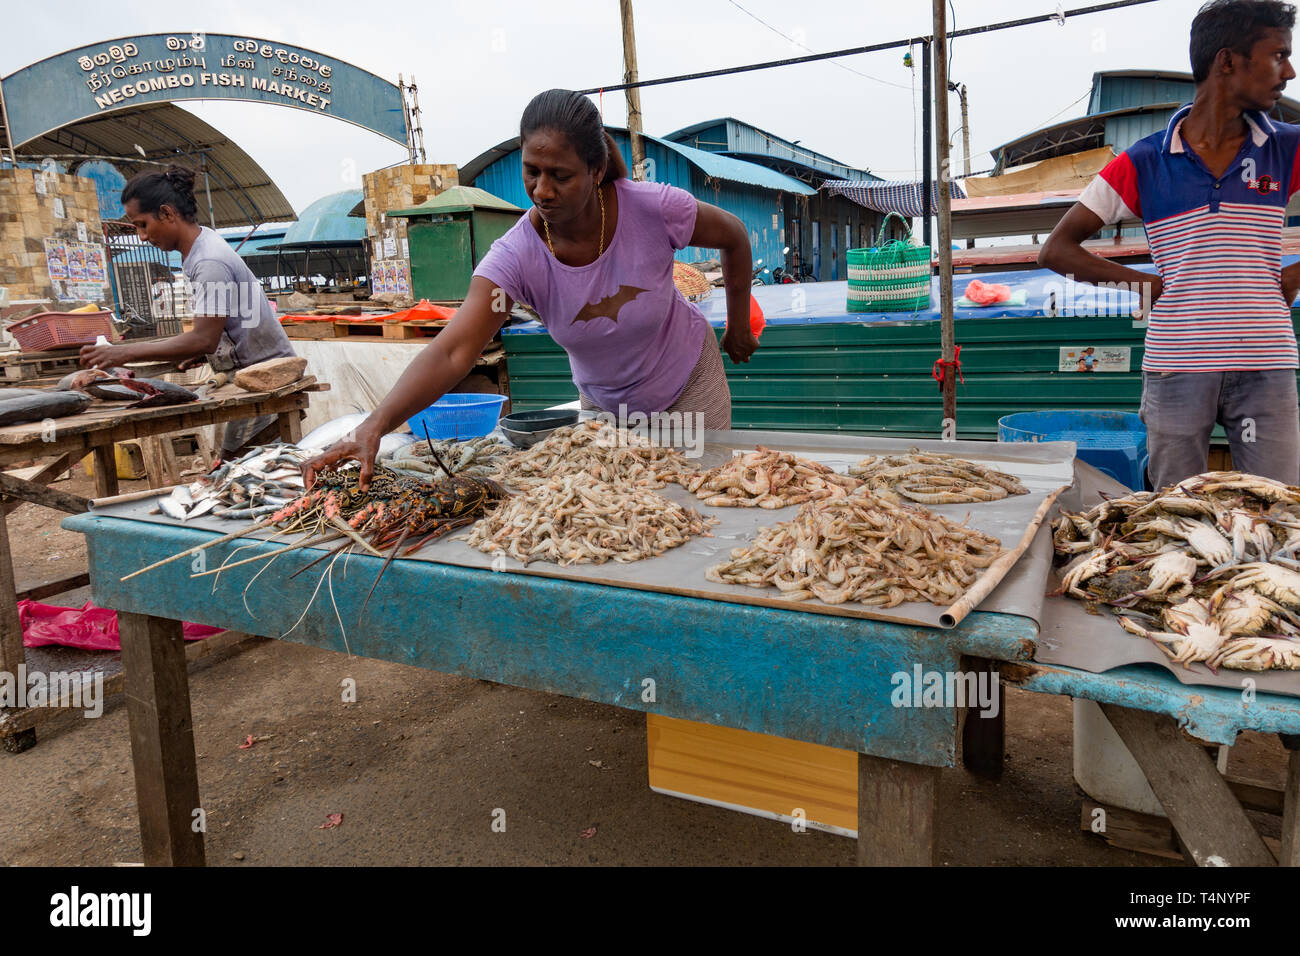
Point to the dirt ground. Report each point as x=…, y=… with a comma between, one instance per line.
x=418, y=765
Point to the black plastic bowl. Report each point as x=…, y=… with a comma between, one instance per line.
x=539, y=420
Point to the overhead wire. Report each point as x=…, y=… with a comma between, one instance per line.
x=871, y=48
x=842, y=66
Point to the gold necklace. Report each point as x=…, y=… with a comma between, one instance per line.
x=547, y=227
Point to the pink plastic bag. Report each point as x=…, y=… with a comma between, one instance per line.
x=89, y=628
x=987, y=293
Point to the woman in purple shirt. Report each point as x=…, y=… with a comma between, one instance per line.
x=594, y=258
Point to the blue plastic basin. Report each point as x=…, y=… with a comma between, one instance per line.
x=1113, y=442
x=459, y=415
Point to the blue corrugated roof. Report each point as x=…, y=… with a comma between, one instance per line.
x=711, y=164
x=737, y=170
x=326, y=221
x=263, y=242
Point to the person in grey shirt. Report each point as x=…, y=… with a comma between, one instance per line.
x=234, y=325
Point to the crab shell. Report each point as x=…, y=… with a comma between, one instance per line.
x=1258, y=654
x=1172, y=572
x=1279, y=583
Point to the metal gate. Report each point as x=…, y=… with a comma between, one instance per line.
x=148, y=298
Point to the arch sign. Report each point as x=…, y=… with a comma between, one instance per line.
x=118, y=74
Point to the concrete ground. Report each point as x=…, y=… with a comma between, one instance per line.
x=418, y=765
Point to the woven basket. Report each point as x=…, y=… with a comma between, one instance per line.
x=691, y=282
x=894, y=277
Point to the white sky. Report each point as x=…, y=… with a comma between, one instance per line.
x=472, y=92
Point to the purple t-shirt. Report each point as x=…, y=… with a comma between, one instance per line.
x=631, y=338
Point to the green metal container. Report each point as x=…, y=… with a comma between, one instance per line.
x=875, y=377
x=449, y=234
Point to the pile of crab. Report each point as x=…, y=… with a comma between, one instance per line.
x=1206, y=568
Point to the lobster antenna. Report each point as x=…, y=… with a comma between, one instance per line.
x=436, y=457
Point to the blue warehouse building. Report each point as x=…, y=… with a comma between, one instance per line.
x=768, y=183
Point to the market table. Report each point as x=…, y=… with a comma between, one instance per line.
x=67, y=440
x=793, y=674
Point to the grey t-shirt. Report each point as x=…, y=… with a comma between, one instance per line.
x=222, y=284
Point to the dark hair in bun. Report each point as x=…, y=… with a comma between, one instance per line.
x=173, y=187
x=577, y=118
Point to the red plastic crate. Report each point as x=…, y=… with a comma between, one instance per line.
x=61, y=330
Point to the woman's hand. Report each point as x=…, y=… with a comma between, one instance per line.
x=739, y=343
x=361, y=444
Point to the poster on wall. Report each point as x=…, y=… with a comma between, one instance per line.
x=56, y=258
x=377, y=286
x=95, y=270
x=79, y=291
x=76, y=261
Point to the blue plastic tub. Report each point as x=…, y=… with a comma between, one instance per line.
x=461, y=415
x=1113, y=442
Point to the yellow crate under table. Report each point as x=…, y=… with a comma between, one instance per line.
x=754, y=773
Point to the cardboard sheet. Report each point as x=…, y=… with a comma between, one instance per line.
x=1043, y=468
x=1072, y=636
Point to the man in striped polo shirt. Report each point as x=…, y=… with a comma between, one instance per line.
x=1211, y=190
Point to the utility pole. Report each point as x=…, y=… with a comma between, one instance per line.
x=947, y=335
x=960, y=90
x=634, y=93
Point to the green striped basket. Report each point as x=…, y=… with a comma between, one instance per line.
x=894, y=277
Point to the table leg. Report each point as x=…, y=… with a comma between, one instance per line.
x=12, y=654
x=105, y=471
x=982, y=737
x=1290, y=855
x=290, y=426
x=162, y=739
x=897, y=805
x=1207, y=815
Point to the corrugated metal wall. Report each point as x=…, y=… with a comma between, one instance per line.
x=876, y=378
x=1123, y=131
x=1119, y=92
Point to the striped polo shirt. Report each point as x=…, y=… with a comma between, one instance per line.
x=1216, y=241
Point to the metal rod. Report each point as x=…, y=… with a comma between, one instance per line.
x=207, y=190
x=872, y=48
x=9, y=136
x=946, y=333
x=927, y=142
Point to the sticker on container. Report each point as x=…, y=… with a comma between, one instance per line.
x=1095, y=359
x=56, y=258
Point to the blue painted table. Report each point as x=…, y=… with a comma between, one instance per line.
x=794, y=674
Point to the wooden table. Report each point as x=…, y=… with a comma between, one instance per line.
x=794, y=674
x=1166, y=726
x=65, y=441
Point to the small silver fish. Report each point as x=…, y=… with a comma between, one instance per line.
x=172, y=508
x=202, y=508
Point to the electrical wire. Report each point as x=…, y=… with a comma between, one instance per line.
x=854, y=51
x=842, y=66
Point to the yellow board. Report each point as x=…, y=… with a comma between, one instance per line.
x=756, y=773
x=129, y=460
